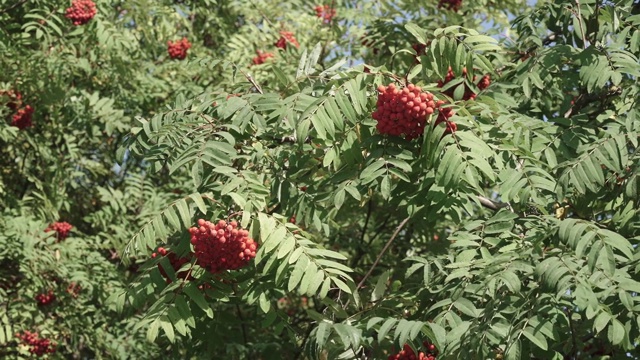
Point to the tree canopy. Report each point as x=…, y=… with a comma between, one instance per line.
x=319, y=180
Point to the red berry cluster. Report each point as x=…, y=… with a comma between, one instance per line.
x=38, y=346
x=45, y=299
x=176, y=263
x=286, y=36
x=22, y=118
x=403, y=111
x=178, y=49
x=74, y=289
x=222, y=246
x=81, y=11
x=454, y=5
x=468, y=93
x=62, y=229
x=326, y=13
x=407, y=353
x=261, y=57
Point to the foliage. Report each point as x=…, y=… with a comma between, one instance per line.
x=511, y=234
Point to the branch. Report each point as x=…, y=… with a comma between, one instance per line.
x=578, y=15
x=242, y=324
x=584, y=100
x=15, y=5
x=361, y=251
x=252, y=81
x=490, y=204
x=384, y=249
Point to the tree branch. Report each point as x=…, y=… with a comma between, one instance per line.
x=384, y=250
x=15, y=5
x=360, y=251
x=490, y=204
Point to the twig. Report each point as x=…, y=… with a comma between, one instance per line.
x=360, y=251
x=242, y=324
x=252, y=81
x=574, y=348
x=578, y=14
x=384, y=249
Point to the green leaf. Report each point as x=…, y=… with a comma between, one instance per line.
x=194, y=294
x=601, y=321
x=616, y=332
x=536, y=338
x=514, y=351
x=298, y=272
x=417, y=32
x=286, y=246
x=381, y=286
x=466, y=307
x=167, y=328
x=338, y=198
x=342, y=285
x=384, y=329
x=265, y=304
x=152, y=331
x=385, y=187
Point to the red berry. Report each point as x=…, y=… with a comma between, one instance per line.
x=176, y=264
x=178, y=49
x=62, y=229
x=261, y=57
x=37, y=346
x=402, y=112
x=45, y=299
x=468, y=93
x=285, y=37
x=226, y=248
x=81, y=11
x=326, y=13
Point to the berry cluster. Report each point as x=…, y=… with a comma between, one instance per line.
x=403, y=111
x=221, y=246
x=74, y=289
x=290, y=307
x=286, y=36
x=176, y=263
x=62, y=229
x=15, y=98
x=326, y=13
x=468, y=93
x=45, y=299
x=261, y=57
x=38, y=346
x=23, y=115
x=22, y=118
x=454, y=5
x=407, y=353
x=81, y=11
x=178, y=49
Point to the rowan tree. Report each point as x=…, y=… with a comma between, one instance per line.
x=319, y=180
